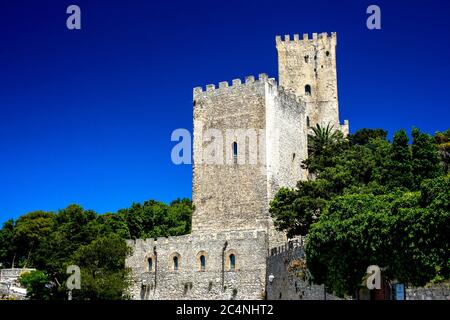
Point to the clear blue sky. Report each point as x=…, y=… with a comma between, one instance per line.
x=86, y=116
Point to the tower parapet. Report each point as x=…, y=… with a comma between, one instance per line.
x=224, y=85
x=306, y=39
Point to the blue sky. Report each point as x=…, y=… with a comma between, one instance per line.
x=86, y=115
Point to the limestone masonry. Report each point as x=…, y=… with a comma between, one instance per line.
x=227, y=254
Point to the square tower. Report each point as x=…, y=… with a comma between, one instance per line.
x=308, y=67
x=249, y=140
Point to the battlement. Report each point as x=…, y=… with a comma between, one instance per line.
x=248, y=80
x=291, y=245
x=306, y=39
x=197, y=237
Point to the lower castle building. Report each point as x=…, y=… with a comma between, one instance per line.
x=250, y=138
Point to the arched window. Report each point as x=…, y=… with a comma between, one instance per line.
x=235, y=151
x=202, y=259
x=232, y=262
x=175, y=263
x=307, y=122
x=308, y=90
x=150, y=264
x=202, y=263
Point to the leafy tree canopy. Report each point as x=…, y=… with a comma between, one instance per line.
x=50, y=242
x=370, y=201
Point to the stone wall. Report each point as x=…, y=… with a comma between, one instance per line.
x=9, y=283
x=432, y=292
x=217, y=281
x=291, y=279
x=228, y=195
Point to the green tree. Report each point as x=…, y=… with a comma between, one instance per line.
x=73, y=227
x=29, y=232
x=7, y=248
x=294, y=211
x=37, y=285
x=364, y=136
x=323, y=144
x=405, y=233
x=103, y=272
x=425, y=157
x=400, y=163
x=442, y=140
x=366, y=207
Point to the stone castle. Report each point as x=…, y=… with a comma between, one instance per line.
x=229, y=254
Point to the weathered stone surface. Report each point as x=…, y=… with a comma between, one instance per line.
x=235, y=196
x=433, y=292
x=216, y=281
x=291, y=279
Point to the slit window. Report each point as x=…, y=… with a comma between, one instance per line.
x=150, y=264
x=235, y=151
x=308, y=90
x=202, y=263
x=308, y=124
x=232, y=262
x=175, y=263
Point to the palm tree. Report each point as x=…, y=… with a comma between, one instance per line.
x=321, y=139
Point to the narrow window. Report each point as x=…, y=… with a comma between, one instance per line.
x=327, y=53
x=306, y=59
x=150, y=264
x=202, y=263
x=232, y=262
x=307, y=122
x=308, y=90
x=235, y=151
x=175, y=263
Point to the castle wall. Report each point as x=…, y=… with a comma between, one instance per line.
x=286, y=139
x=190, y=282
x=433, y=292
x=286, y=146
x=291, y=280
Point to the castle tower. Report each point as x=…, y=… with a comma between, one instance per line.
x=259, y=143
x=308, y=67
x=250, y=139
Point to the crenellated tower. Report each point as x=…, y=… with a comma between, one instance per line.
x=308, y=67
x=249, y=140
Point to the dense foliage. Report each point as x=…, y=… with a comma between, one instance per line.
x=50, y=242
x=372, y=202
